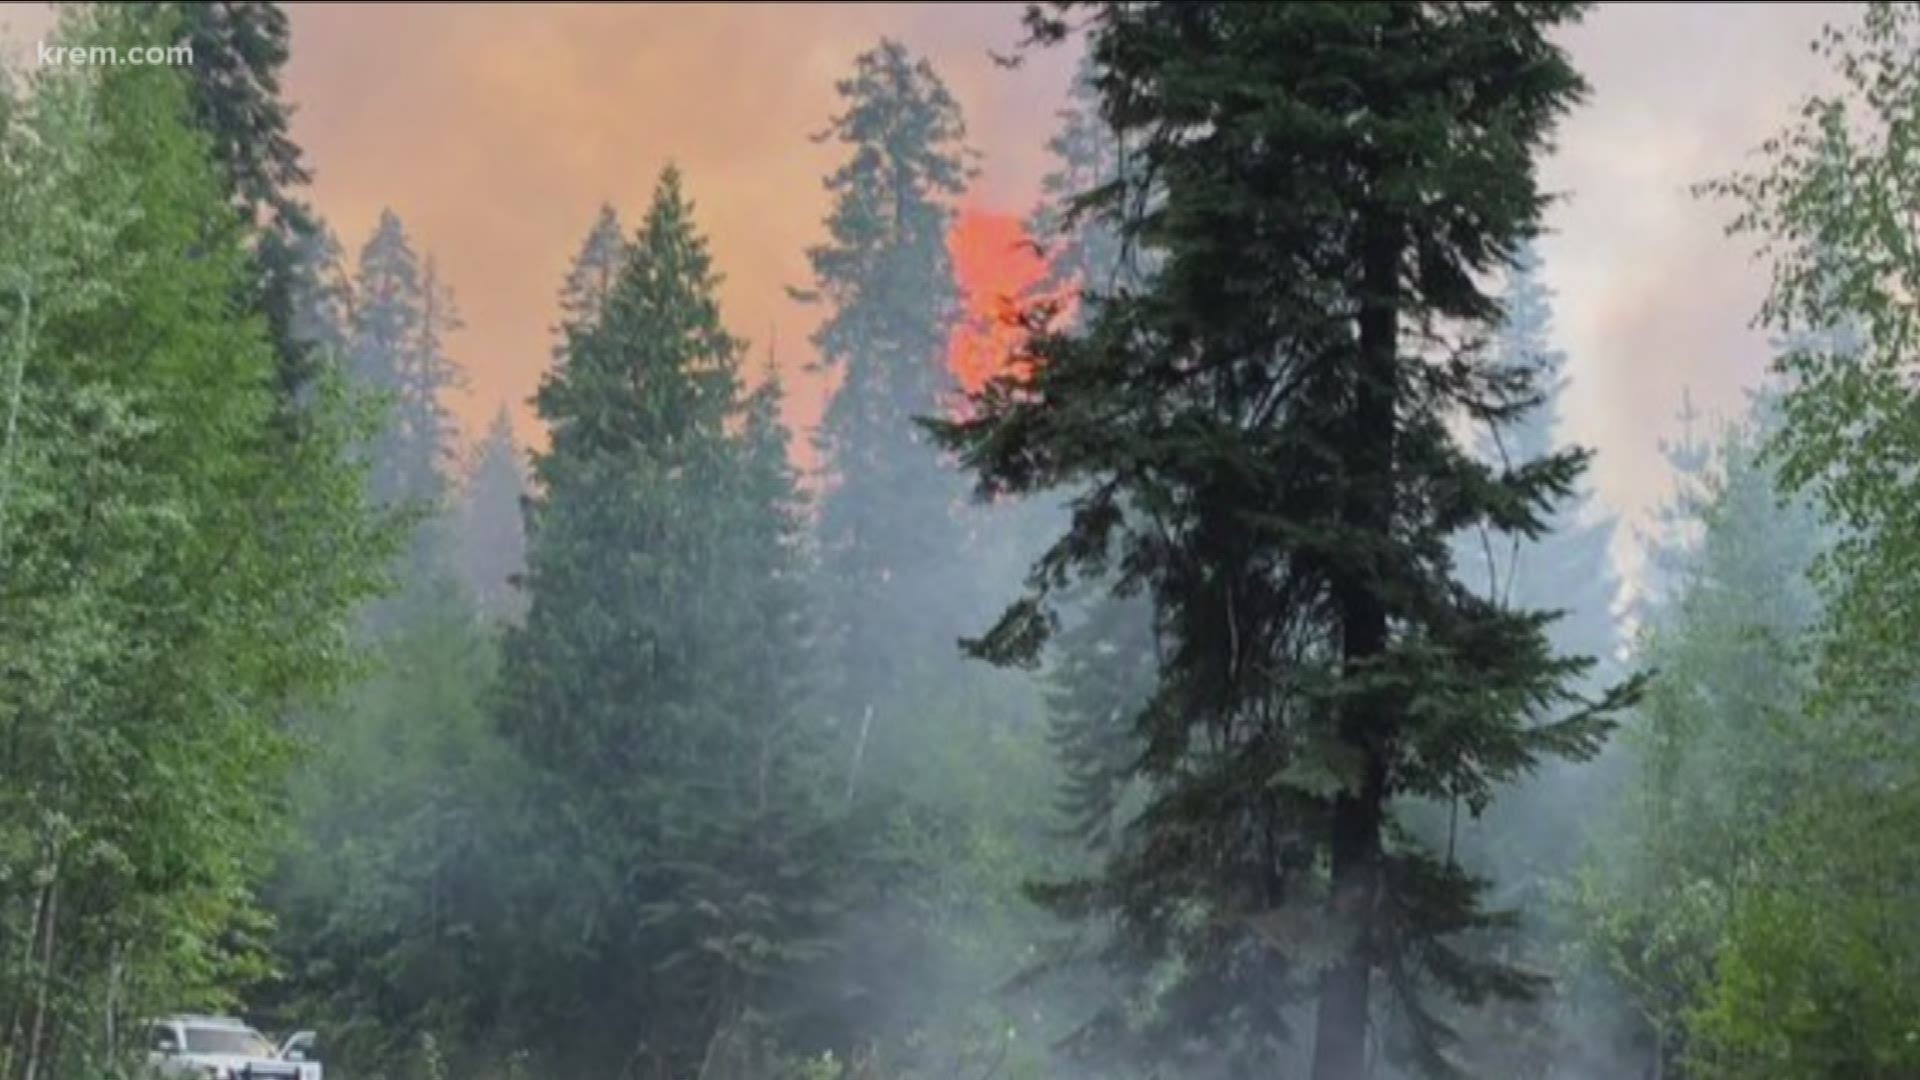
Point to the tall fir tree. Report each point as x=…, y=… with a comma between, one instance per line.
x=887, y=529
x=400, y=317
x=654, y=684
x=1262, y=433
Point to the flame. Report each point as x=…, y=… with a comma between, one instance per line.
x=1002, y=275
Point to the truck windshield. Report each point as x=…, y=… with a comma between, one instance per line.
x=238, y=1042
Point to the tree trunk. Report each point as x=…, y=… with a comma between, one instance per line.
x=1340, y=1036
x=859, y=752
x=116, y=976
x=37, y=1037
x=17, y=1018
x=1340, y=1039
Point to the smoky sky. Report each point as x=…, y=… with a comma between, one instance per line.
x=496, y=131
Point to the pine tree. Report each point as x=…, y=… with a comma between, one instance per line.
x=1262, y=432
x=238, y=49
x=887, y=528
x=653, y=683
x=493, y=543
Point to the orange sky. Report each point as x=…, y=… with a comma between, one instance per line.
x=496, y=130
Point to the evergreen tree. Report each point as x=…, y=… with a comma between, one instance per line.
x=887, y=527
x=1262, y=432
x=950, y=757
x=238, y=49
x=653, y=685
x=400, y=316
x=591, y=279
x=493, y=545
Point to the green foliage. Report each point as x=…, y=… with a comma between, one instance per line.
x=1818, y=973
x=389, y=894
x=233, y=92
x=1814, y=971
x=647, y=768
x=1828, y=211
x=658, y=687
x=176, y=576
x=1720, y=744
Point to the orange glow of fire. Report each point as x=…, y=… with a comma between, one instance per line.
x=1001, y=275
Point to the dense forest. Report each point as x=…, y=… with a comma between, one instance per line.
x=1225, y=672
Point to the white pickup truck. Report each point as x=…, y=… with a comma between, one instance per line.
x=222, y=1048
